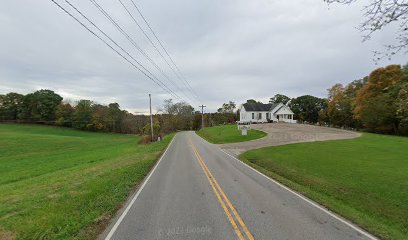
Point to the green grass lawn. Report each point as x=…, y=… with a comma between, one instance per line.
x=364, y=179
x=228, y=134
x=58, y=183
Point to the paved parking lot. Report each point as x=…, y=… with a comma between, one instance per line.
x=285, y=133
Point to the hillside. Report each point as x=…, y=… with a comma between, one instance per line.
x=59, y=183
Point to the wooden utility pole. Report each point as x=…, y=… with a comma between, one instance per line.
x=202, y=116
x=151, y=116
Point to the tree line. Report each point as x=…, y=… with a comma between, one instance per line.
x=376, y=103
x=47, y=107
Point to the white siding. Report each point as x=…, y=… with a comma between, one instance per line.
x=285, y=115
x=243, y=115
x=256, y=117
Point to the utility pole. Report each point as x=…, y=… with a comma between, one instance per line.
x=202, y=116
x=151, y=116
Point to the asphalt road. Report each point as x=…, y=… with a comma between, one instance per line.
x=197, y=191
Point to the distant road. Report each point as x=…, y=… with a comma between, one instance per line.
x=197, y=191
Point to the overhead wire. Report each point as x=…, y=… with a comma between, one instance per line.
x=128, y=37
x=178, y=73
x=160, y=84
x=155, y=47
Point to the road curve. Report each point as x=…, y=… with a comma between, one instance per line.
x=288, y=133
x=197, y=191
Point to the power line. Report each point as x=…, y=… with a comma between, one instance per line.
x=111, y=47
x=164, y=85
x=129, y=38
x=78, y=11
x=186, y=83
x=154, y=45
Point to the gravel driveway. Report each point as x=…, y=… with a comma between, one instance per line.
x=286, y=133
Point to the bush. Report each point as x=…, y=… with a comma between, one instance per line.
x=145, y=139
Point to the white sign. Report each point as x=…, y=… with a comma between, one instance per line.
x=244, y=127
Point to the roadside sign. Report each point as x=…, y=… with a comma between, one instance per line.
x=244, y=127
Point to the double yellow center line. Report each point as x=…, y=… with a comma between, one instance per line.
x=223, y=199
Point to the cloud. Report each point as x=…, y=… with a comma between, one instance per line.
x=228, y=50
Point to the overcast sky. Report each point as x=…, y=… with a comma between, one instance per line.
x=226, y=49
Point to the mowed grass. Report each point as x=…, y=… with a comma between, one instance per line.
x=58, y=183
x=364, y=179
x=228, y=134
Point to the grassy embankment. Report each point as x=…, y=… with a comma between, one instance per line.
x=228, y=134
x=364, y=179
x=59, y=183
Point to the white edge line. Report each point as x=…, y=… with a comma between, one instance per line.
x=370, y=236
x=112, y=231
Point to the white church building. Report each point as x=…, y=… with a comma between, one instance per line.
x=262, y=113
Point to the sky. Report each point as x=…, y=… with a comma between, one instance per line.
x=226, y=50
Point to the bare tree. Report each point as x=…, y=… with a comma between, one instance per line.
x=380, y=13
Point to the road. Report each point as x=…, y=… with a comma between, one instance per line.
x=197, y=191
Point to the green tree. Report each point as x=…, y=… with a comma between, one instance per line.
x=279, y=98
x=83, y=114
x=41, y=105
x=176, y=116
x=227, y=107
x=11, y=106
x=402, y=109
x=114, y=117
x=64, y=115
x=405, y=67
x=147, y=130
x=252, y=101
x=307, y=108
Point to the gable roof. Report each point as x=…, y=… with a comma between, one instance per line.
x=259, y=107
x=283, y=106
x=278, y=109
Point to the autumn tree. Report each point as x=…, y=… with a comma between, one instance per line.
x=100, y=120
x=64, y=114
x=338, y=109
x=341, y=104
x=375, y=102
x=323, y=116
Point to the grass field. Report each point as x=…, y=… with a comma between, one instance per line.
x=58, y=183
x=364, y=179
x=228, y=134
